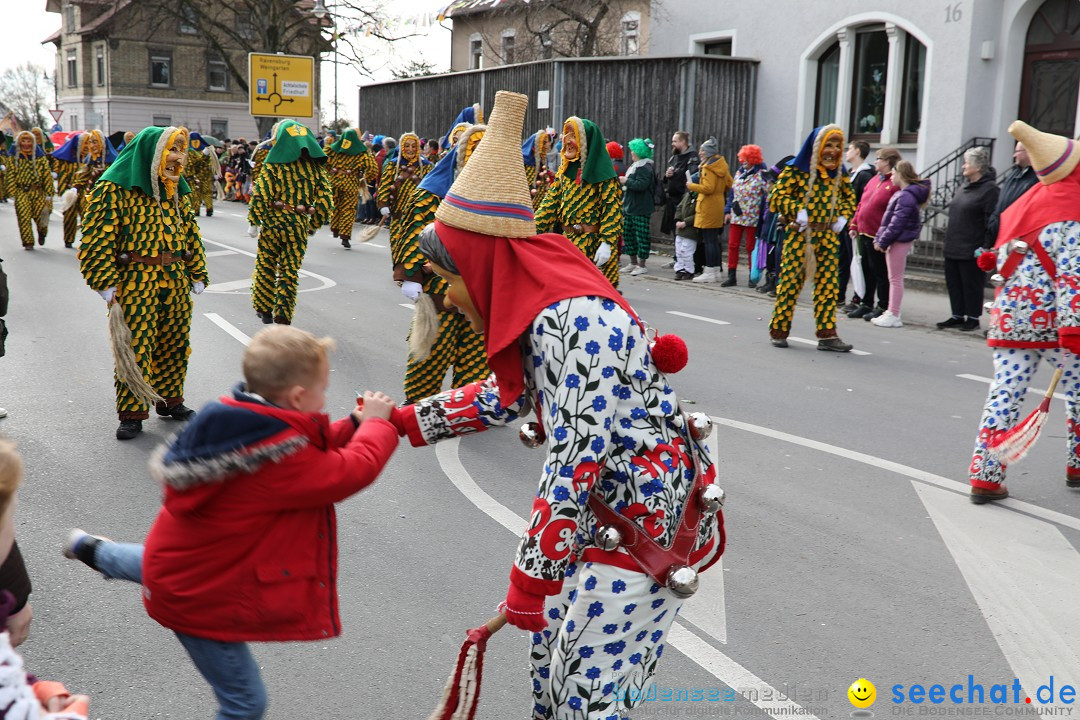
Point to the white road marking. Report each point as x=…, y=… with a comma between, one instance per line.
x=408, y=306
x=219, y=253
x=709, y=658
x=371, y=244
x=228, y=327
x=231, y=286
x=987, y=381
x=326, y=282
x=804, y=341
x=1026, y=586
x=698, y=317
x=239, y=215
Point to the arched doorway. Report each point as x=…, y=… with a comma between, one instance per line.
x=1048, y=93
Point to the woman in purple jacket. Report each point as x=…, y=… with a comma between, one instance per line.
x=899, y=229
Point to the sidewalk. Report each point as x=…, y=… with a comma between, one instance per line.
x=925, y=304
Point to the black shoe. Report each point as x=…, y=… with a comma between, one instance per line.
x=834, y=344
x=876, y=312
x=176, y=412
x=128, y=429
x=334, y=233
x=345, y=243
x=266, y=317
x=951, y=322
x=282, y=321
x=778, y=342
x=730, y=279
x=970, y=324
x=209, y=213
x=751, y=284
x=69, y=245
x=860, y=312
x=849, y=308
x=41, y=238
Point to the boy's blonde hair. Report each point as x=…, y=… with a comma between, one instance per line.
x=11, y=472
x=281, y=357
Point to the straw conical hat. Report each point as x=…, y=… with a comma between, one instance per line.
x=491, y=195
x=1054, y=157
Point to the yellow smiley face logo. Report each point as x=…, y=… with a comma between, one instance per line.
x=345, y=144
x=862, y=693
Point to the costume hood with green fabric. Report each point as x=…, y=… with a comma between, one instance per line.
x=291, y=141
x=140, y=164
x=349, y=144
x=593, y=164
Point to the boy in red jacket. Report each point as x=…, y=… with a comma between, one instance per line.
x=244, y=548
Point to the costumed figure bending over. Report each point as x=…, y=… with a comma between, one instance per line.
x=440, y=337
x=1035, y=316
x=815, y=196
x=30, y=181
x=79, y=163
x=350, y=166
x=200, y=170
x=291, y=196
x=626, y=512
x=585, y=201
x=142, y=252
x=399, y=179
x=534, y=152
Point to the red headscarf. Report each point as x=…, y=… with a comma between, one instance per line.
x=1040, y=206
x=510, y=280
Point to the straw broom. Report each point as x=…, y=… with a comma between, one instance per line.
x=1009, y=446
x=370, y=232
x=462, y=692
x=127, y=367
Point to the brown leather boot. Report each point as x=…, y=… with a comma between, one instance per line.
x=981, y=496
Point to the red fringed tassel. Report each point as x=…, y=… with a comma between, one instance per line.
x=462, y=692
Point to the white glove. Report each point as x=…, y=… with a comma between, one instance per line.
x=107, y=294
x=3, y=168
x=839, y=224
x=802, y=218
x=55, y=175
x=603, y=254
x=198, y=286
x=411, y=290
x=385, y=211
x=253, y=231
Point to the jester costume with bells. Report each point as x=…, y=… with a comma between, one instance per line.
x=141, y=250
x=1035, y=316
x=625, y=508
x=399, y=179
x=349, y=163
x=440, y=337
x=534, y=152
x=291, y=196
x=199, y=172
x=585, y=200
x=79, y=163
x=814, y=195
x=30, y=181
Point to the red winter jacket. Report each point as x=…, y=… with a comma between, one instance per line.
x=245, y=545
x=875, y=198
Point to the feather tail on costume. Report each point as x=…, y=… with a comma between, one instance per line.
x=1012, y=445
x=127, y=368
x=68, y=199
x=425, y=326
x=365, y=193
x=462, y=692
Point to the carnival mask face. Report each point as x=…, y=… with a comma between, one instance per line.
x=175, y=158
x=832, y=151
x=571, y=146
x=93, y=146
x=543, y=144
x=26, y=144
x=410, y=148
x=38, y=136
x=457, y=296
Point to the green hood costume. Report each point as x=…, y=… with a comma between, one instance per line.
x=349, y=144
x=138, y=165
x=292, y=139
x=597, y=163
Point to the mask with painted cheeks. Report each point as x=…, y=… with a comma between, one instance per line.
x=39, y=136
x=92, y=146
x=410, y=148
x=832, y=149
x=543, y=144
x=26, y=145
x=571, y=143
x=173, y=159
x=457, y=297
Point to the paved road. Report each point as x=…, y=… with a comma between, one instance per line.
x=853, y=551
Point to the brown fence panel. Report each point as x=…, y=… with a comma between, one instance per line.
x=723, y=105
x=425, y=105
x=529, y=79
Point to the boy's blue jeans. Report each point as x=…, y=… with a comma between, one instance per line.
x=230, y=668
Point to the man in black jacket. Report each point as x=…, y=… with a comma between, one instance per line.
x=683, y=158
x=1019, y=178
x=861, y=173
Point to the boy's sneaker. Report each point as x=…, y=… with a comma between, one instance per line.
x=639, y=270
x=627, y=267
x=81, y=545
x=887, y=320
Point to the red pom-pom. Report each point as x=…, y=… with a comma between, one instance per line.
x=987, y=261
x=669, y=354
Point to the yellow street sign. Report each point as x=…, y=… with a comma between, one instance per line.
x=281, y=85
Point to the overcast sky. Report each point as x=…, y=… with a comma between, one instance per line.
x=34, y=25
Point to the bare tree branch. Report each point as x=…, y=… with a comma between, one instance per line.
x=23, y=91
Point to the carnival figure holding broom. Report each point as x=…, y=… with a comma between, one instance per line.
x=1035, y=316
x=626, y=512
x=142, y=252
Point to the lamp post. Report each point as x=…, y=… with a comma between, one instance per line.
x=320, y=11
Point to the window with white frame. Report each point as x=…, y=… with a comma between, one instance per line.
x=72, y=68
x=160, y=68
x=219, y=128
x=508, y=47
x=217, y=73
x=631, y=23
x=828, y=83
x=188, y=21
x=99, y=64
x=476, y=52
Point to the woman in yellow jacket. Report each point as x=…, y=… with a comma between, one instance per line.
x=714, y=182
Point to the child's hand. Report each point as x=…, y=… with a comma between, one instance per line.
x=375, y=405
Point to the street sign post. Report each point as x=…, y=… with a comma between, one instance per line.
x=281, y=85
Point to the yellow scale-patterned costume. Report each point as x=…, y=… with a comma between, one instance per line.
x=575, y=198
x=397, y=185
x=30, y=181
x=80, y=174
x=830, y=199
x=199, y=173
x=536, y=169
x=456, y=344
x=152, y=253
x=287, y=181
x=348, y=160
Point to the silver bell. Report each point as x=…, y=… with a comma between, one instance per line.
x=700, y=425
x=997, y=279
x=1020, y=247
x=608, y=537
x=682, y=581
x=532, y=434
x=712, y=498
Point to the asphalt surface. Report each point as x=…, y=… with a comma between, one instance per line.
x=853, y=551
